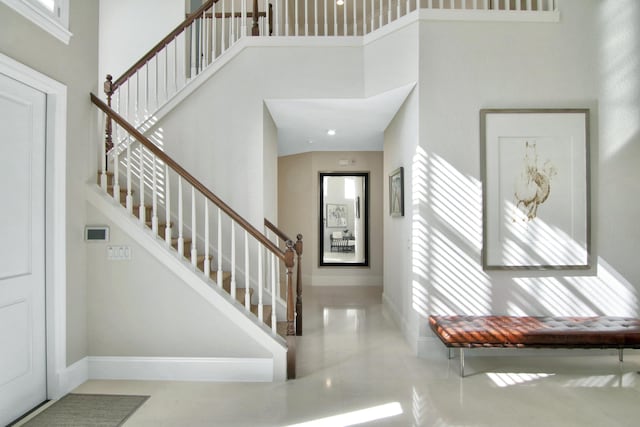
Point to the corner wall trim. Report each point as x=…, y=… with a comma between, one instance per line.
x=181, y=369
x=73, y=376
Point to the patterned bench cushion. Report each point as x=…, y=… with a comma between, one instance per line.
x=512, y=331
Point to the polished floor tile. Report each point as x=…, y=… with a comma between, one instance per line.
x=354, y=368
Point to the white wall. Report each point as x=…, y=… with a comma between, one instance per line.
x=617, y=55
x=75, y=66
x=128, y=29
x=219, y=129
x=465, y=67
x=140, y=308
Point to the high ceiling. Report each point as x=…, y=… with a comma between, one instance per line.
x=359, y=123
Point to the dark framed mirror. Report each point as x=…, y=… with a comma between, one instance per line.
x=344, y=219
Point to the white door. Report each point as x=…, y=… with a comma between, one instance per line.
x=22, y=279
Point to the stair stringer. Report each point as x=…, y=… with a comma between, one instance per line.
x=192, y=277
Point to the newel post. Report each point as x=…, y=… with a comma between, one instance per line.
x=108, y=90
x=255, y=29
x=289, y=259
x=298, y=248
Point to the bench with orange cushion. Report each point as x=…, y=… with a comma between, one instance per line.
x=538, y=332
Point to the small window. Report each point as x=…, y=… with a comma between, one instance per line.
x=50, y=15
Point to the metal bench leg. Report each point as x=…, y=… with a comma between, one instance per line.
x=461, y=362
x=620, y=350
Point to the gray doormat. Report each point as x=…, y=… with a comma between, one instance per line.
x=81, y=410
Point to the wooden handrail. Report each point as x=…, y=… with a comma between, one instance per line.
x=162, y=43
x=227, y=15
x=194, y=182
x=271, y=226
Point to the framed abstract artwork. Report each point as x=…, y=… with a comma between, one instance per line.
x=536, y=188
x=336, y=215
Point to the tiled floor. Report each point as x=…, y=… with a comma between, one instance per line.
x=354, y=366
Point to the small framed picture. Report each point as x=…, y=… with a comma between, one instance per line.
x=396, y=192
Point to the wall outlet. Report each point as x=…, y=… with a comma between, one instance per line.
x=118, y=253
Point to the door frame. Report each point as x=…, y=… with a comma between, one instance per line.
x=55, y=214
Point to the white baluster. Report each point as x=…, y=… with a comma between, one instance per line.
x=156, y=81
x=116, y=175
x=180, y=221
x=166, y=72
x=247, y=273
x=286, y=14
x=408, y=8
x=175, y=64
x=260, y=283
x=214, y=33
x=295, y=19
x=475, y=4
x=398, y=10
x=233, y=259
x=223, y=34
x=129, y=199
x=364, y=17
x=380, y=15
x=136, y=104
x=335, y=19
x=326, y=20
x=315, y=17
x=355, y=21
x=207, y=260
x=194, y=230
x=274, y=285
x=219, y=275
x=146, y=90
x=102, y=149
x=167, y=205
x=373, y=12
x=154, y=203
x=128, y=105
x=344, y=18
x=141, y=210
x=233, y=24
x=306, y=18
x=243, y=30
x=528, y=4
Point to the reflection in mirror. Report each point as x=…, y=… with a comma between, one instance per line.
x=344, y=216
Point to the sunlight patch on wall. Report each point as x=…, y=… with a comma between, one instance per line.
x=456, y=200
x=459, y=284
x=619, y=68
x=419, y=233
x=607, y=294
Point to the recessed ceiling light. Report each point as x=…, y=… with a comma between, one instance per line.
x=310, y=141
x=331, y=132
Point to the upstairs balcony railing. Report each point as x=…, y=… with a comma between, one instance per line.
x=211, y=30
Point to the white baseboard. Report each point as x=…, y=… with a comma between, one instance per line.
x=181, y=369
x=72, y=377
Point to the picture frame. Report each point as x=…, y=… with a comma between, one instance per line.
x=536, y=189
x=396, y=193
x=336, y=215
